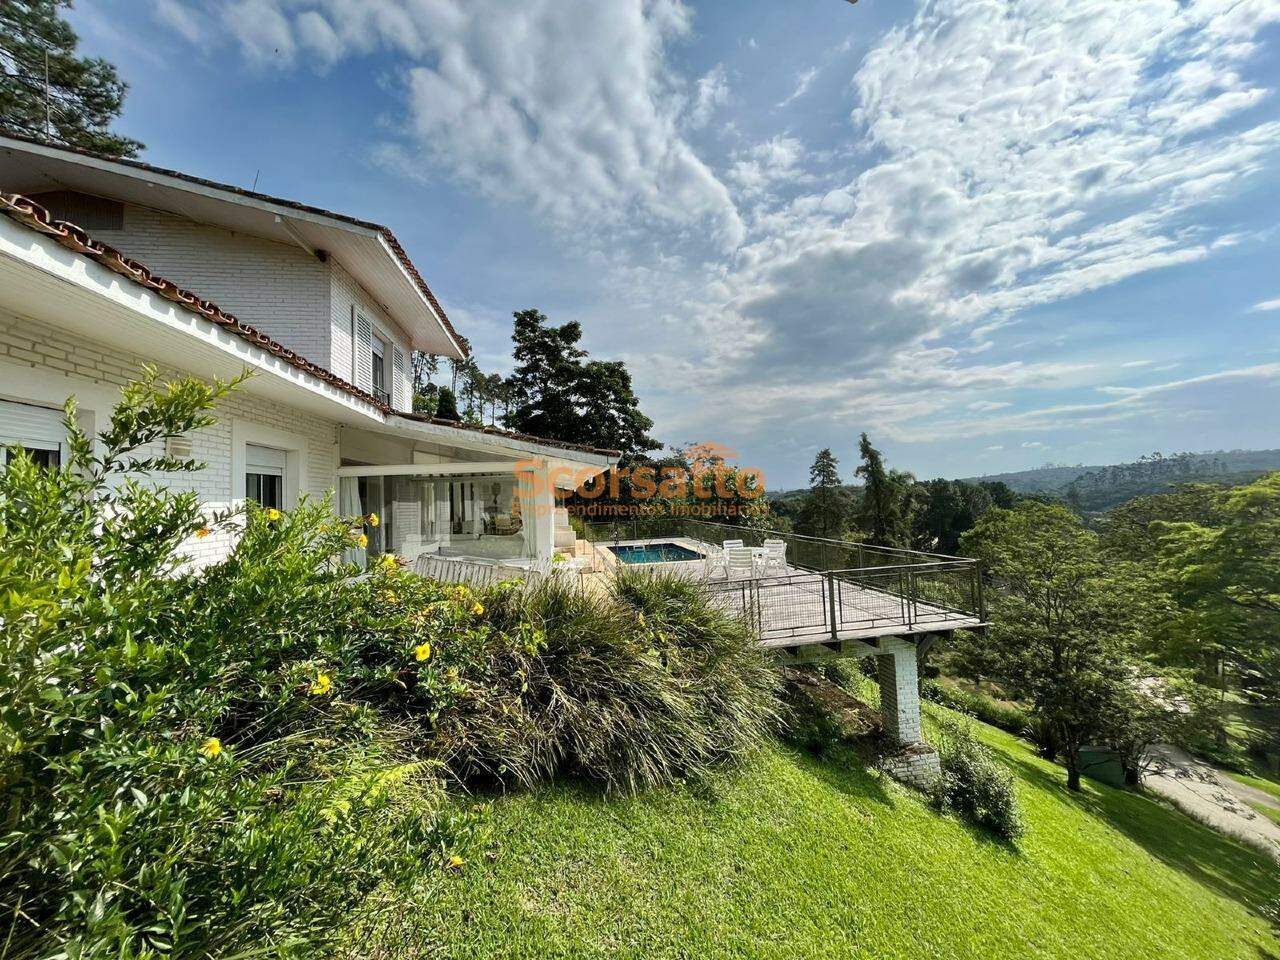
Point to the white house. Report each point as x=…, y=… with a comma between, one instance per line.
x=108, y=264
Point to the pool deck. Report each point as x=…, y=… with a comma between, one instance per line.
x=794, y=611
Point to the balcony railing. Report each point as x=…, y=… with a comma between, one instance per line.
x=831, y=589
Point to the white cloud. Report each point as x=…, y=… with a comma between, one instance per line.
x=712, y=94
x=984, y=185
x=804, y=80
x=756, y=170
x=571, y=105
x=183, y=20
x=1266, y=306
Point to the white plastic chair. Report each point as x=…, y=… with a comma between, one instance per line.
x=713, y=560
x=775, y=556
x=730, y=544
x=740, y=562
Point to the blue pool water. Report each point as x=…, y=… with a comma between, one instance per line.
x=654, y=553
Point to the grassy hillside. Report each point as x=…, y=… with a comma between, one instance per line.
x=799, y=857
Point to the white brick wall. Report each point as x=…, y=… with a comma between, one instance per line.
x=346, y=294
x=278, y=288
x=40, y=364
x=899, y=691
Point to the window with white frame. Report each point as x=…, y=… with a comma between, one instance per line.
x=264, y=475
x=37, y=430
x=380, y=352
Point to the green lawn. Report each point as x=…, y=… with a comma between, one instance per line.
x=799, y=857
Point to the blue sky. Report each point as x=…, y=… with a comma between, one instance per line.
x=992, y=233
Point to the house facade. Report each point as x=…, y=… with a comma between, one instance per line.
x=106, y=265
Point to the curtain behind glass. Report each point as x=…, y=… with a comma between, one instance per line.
x=349, y=506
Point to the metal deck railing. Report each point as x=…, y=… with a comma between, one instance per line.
x=832, y=589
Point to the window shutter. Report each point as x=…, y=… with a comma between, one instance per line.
x=364, y=353
x=399, y=398
x=36, y=428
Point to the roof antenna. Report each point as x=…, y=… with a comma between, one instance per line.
x=254, y=188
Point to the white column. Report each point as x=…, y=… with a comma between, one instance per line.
x=537, y=511
x=899, y=691
x=442, y=528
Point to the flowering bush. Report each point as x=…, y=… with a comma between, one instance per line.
x=210, y=762
x=180, y=776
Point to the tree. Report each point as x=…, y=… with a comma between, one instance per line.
x=47, y=91
x=548, y=367
x=1225, y=571
x=888, y=499
x=494, y=390
x=425, y=366
x=826, y=508
x=948, y=508
x=612, y=417
x=558, y=393
x=446, y=405
x=1064, y=624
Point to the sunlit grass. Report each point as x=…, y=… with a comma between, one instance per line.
x=794, y=856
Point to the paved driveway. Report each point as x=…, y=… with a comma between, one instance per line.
x=1213, y=797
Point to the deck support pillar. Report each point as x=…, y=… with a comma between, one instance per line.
x=913, y=761
x=899, y=692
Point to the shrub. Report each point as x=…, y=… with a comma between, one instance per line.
x=974, y=784
x=636, y=689
x=1007, y=716
x=176, y=779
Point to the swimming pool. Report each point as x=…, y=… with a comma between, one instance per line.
x=654, y=553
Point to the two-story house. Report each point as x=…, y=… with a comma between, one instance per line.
x=109, y=264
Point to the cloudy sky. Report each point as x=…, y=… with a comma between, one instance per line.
x=992, y=233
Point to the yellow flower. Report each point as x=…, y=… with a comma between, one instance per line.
x=477, y=608
x=455, y=862
x=273, y=514
x=212, y=748
x=373, y=520
x=322, y=685
x=422, y=652
x=389, y=561
x=363, y=541
x=461, y=592
x=202, y=533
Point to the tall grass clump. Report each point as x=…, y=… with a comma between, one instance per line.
x=635, y=689
x=180, y=773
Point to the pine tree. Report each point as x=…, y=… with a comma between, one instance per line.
x=888, y=499
x=826, y=508
x=559, y=393
x=446, y=405
x=48, y=92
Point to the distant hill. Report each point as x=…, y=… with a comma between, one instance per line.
x=1098, y=487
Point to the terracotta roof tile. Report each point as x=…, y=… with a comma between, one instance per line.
x=31, y=214
x=508, y=434
x=386, y=233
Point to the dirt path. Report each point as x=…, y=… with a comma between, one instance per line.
x=1212, y=797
